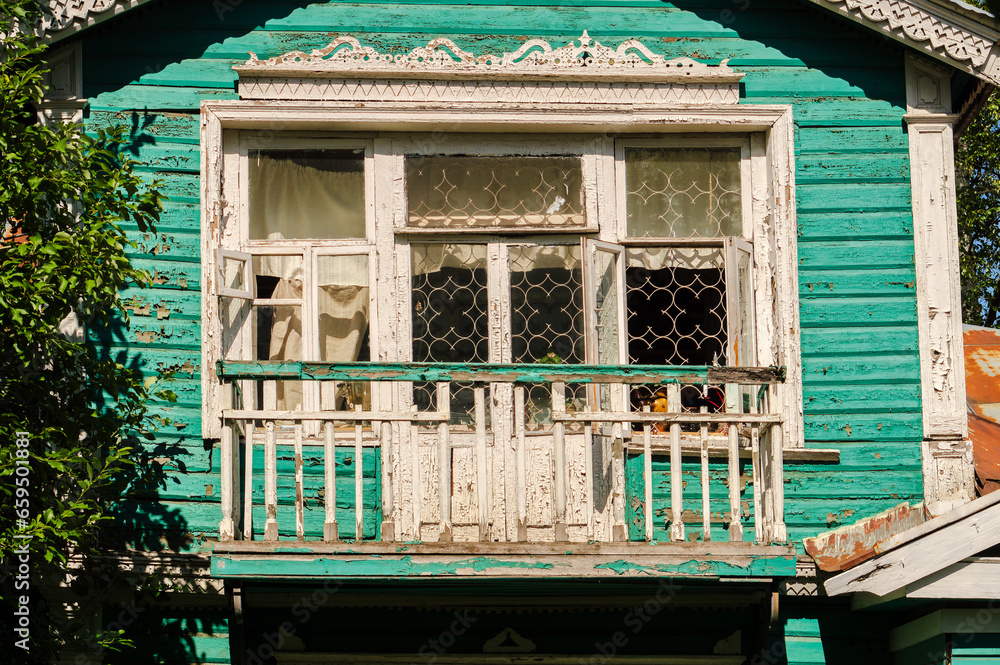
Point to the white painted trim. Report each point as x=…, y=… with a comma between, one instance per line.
x=976, y=578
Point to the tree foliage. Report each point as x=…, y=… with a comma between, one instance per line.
x=977, y=166
x=64, y=200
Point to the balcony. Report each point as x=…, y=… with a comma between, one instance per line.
x=500, y=470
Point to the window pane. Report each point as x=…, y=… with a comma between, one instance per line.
x=546, y=293
x=460, y=191
x=307, y=194
x=449, y=317
x=683, y=192
x=278, y=276
x=278, y=336
x=232, y=271
x=343, y=304
x=676, y=305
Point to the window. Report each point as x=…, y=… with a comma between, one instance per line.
x=568, y=205
x=566, y=249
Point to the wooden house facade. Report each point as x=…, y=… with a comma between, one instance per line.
x=620, y=330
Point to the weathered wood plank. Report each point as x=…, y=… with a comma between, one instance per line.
x=497, y=372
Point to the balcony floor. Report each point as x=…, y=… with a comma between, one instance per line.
x=290, y=560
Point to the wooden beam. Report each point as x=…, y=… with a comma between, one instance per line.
x=496, y=372
x=975, y=578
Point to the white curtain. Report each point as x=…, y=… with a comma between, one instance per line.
x=658, y=258
x=299, y=201
x=289, y=200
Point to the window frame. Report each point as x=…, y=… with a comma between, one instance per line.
x=769, y=130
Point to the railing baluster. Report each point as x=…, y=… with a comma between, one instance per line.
x=444, y=461
x=706, y=508
x=227, y=467
x=331, y=530
x=522, y=482
x=647, y=475
x=735, y=510
x=777, y=461
x=676, y=482
x=359, y=459
x=388, y=532
x=415, y=487
x=482, y=489
x=588, y=485
x=300, y=530
x=758, y=517
x=248, y=483
x=559, y=459
x=270, y=482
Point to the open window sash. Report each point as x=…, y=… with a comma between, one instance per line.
x=604, y=304
x=235, y=278
x=741, y=338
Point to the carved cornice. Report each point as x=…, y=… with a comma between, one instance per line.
x=964, y=42
x=441, y=72
x=442, y=59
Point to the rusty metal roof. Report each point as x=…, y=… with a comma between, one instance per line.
x=982, y=387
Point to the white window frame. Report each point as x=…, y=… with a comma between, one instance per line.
x=770, y=197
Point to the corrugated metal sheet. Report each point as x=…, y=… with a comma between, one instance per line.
x=848, y=546
x=982, y=384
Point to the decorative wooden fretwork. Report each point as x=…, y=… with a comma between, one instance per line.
x=581, y=71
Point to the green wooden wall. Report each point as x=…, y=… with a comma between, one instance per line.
x=150, y=69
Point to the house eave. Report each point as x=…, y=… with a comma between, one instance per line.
x=951, y=32
x=921, y=553
x=63, y=19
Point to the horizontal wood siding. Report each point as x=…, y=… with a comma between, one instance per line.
x=150, y=70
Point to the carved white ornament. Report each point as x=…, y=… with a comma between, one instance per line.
x=442, y=58
x=914, y=22
x=441, y=72
x=59, y=15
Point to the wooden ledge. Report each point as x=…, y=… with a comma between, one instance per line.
x=302, y=560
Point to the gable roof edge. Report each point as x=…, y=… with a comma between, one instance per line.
x=957, y=34
x=65, y=18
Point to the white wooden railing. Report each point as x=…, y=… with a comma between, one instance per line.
x=602, y=412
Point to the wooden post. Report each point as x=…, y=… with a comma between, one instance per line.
x=331, y=531
x=521, y=475
x=444, y=460
x=758, y=518
x=415, y=487
x=299, y=493
x=735, y=511
x=227, y=469
x=559, y=459
x=706, y=508
x=676, y=481
x=385, y=447
x=270, y=482
x=359, y=458
x=647, y=476
x=248, y=483
x=482, y=489
x=778, y=533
